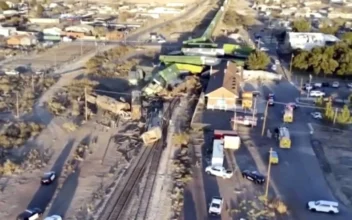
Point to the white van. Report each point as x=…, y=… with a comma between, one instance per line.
x=323, y=206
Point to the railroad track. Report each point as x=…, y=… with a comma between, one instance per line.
x=122, y=195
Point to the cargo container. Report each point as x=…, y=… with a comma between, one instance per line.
x=232, y=142
x=217, y=158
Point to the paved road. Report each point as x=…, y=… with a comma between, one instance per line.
x=299, y=177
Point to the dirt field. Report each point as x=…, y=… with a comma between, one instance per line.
x=56, y=55
x=333, y=149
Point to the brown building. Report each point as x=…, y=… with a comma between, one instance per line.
x=223, y=88
x=74, y=34
x=115, y=35
x=21, y=40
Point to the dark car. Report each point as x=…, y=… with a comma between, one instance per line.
x=253, y=176
x=48, y=178
x=30, y=214
x=325, y=84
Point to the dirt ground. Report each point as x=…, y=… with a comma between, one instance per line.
x=191, y=25
x=333, y=149
x=60, y=54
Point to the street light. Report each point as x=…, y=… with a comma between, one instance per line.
x=268, y=178
x=292, y=56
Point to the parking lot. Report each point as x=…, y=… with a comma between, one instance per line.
x=54, y=56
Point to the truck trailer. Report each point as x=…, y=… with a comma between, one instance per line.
x=218, y=153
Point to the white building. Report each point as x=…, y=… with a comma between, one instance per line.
x=52, y=31
x=307, y=41
x=80, y=28
x=7, y=31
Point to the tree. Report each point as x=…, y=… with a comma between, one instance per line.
x=344, y=116
x=301, y=25
x=300, y=61
x=319, y=101
x=347, y=37
x=322, y=60
x=329, y=29
x=33, y=3
x=40, y=10
x=329, y=112
x=258, y=60
x=4, y=6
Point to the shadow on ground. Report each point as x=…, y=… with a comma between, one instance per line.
x=44, y=194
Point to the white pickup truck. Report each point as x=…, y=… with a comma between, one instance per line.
x=219, y=171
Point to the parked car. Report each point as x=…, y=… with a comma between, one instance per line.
x=30, y=214
x=349, y=85
x=219, y=171
x=325, y=84
x=335, y=84
x=323, y=206
x=215, y=206
x=264, y=49
x=53, y=217
x=316, y=93
x=318, y=85
x=253, y=176
x=307, y=87
x=48, y=178
x=317, y=115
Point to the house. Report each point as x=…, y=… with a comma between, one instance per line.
x=87, y=29
x=74, y=34
x=7, y=31
x=223, y=88
x=52, y=31
x=21, y=40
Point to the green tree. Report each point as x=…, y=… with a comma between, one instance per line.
x=322, y=60
x=301, y=25
x=329, y=29
x=300, y=61
x=347, y=37
x=329, y=111
x=4, y=6
x=319, y=101
x=258, y=60
x=344, y=116
x=350, y=99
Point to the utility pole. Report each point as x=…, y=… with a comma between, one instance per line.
x=265, y=116
x=291, y=63
x=17, y=106
x=234, y=118
x=268, y=178
x=85, y=104
x=81, y=47
x=301, y=86
x=32, y=82
x=335, y=115
x=254, y=111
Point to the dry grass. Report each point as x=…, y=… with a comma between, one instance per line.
x=103, y=64
x=78, y=156
x=70, y=126
x=9, y=168
x=26, y=88
x=181, y=176
x=180, y=139
x=71, y=98
x=16, y=134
